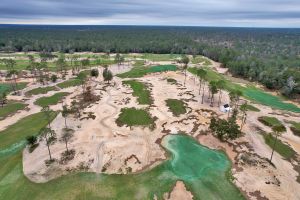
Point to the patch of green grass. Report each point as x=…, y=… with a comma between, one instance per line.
x=252, y=108
x=40, y=90
x=10, y=108
x=140, y=91
x=69, y=83
x=134, y=117
x=52, y=100
x=27, y=126
x=141, y=71
x=295, y=128
x=171, y=80
x=160, y=57
x=281, y=148
x=6, y=87
x=177, y=107
x=270, y=121
x=201, y=59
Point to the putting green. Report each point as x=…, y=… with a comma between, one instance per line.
x=202, y=170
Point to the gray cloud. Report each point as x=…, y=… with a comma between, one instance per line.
x=278, y=13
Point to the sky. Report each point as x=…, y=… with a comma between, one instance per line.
x=231, y=13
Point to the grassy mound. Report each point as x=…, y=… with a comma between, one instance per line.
x=140, y=91
x=52, y=100
x=69, y=83
x=171, y=80
x=40, y=90
x=27, y=126
x=270, y=121
x=10, y=108
x=141, y=71
x=284, y=150
x=295, y=128
x=177, y=107
x=252, y=108
x=135, y=117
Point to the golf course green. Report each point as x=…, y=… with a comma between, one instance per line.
x=204, y=172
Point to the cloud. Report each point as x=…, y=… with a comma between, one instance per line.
x=278, y=13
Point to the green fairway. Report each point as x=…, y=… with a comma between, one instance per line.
x=140, y=91
x=52, y=100
x=141, y=71
x=10, y=108
x=134, y=117
x=189, y=162
x=40, y=90
x=283, y=149
x=177, y=107
x=17, y=132
x=250, y=92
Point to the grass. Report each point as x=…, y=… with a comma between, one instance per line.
x=201, y=59
x=52, y=100
x=250, y=92
x=295, y=128
x=270, y=121
x=27, y=126
x=281, y=148
x=40, y=90
x=10, y=108
x=140, y=91
x=134, y=117
x=252, y=108
x=171, y=80
x=6, y=87
x=177, y=107
x=160, y=57
x=69, y=83
x=141, y=71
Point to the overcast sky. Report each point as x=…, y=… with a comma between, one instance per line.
x=249, y=13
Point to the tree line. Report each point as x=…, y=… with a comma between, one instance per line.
x=269, y=56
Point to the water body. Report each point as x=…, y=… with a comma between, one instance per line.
x=201, y=169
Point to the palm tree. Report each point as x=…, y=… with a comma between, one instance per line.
x=66, y=136
x=48, y=134
x=185, y=60
x=10, y=65
x=201, y=73
x=278, y=130
x=213, y=90
x=65, y=113
x=243, y=108
x=107, y=74
x=220, y=86
x=47, y=112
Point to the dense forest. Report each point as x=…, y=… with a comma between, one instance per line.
x=270, y=56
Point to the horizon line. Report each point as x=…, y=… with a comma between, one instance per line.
x=147, y=25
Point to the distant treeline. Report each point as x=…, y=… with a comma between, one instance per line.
x=270, y=56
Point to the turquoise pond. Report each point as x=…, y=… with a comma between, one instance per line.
x=204, y=172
